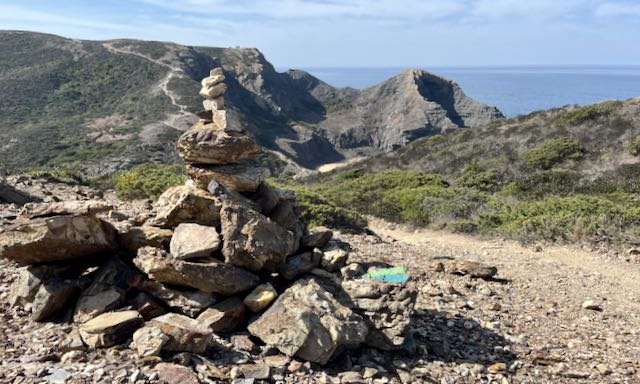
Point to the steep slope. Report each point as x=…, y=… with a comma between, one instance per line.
x=107, y=105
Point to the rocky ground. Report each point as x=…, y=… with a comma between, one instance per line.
x=552, y=315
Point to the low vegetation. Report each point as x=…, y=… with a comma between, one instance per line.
x=553, y=151
x=550, y=205
x=146, y=180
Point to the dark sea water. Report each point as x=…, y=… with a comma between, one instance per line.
x=515, y=90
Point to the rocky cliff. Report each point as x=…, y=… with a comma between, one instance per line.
x=107, y=105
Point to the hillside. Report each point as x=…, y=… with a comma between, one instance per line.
x=108, y=105
x=566, y=175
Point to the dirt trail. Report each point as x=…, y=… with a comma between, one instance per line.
x=179, y=120
x=536, y=305
x=512, y=255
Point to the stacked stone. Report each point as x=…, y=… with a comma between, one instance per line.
x=215, y=144
x=223, y=253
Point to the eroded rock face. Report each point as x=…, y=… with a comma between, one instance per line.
x=253, y=241
x=185, y=334
x=235, y=177
x=193, y=240
x=306, y=321
x=206, y=143
x=186, y=204
x=49, y=239
x=213, y=276
x=110, y=328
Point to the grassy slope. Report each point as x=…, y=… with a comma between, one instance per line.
x=560, y=175
x=52, y=111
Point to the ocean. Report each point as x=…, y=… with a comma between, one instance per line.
x=514, y=90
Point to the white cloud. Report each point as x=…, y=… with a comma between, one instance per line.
x=533, y=9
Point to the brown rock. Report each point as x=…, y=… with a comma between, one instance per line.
x=298, y=264
x=149, y=341
x=213, y=92
x=146, y=235
x=194, y=240
x=260, y=297
x=206, y=143
x=110, y=328
x=185, y=334
x=187, y=302
x=471, y=268
x=186, y=204
x=225, y=316
x=147, y=306
x=169, y=373
x=235, y=177
x=253, y=241
x=214, y=104
x=73, y=207
x=213, y=276
x=57, y=238
x=318, y=238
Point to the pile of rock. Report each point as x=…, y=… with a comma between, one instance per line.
x=223, y=253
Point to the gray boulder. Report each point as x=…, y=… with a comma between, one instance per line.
x=194, y=240
x=187, y=302
x=306, y=321
x=253, y=241
x=298, y=264
x=110, y=328
x=225, y=316
x=57, y=238
x=186, y=204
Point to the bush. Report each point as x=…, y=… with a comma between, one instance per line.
x=634, y=146
x=587, y=113
x=552, y=152
x=475, y=176
x=147, y=180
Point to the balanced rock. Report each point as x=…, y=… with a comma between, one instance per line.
x=253, y=241
x=213, y=104
x=187, y=302
x=213, y=91
x=194, y=240
x=206, y=143
x=225, y=316
x=235, y=177
x=186, y=204
x=110, y=328
x=212, y=80
x=185, y=334
x=306, y=321
x=212, y=276
x=260, y=297
x=49, y=239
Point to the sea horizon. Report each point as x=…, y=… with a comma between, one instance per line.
x=514, y=89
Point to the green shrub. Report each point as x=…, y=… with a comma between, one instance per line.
x=587, y=113
x=634, y=146
x=475, y=176
x=147, y=180
x=540, y=184
x=60, y=173
x=552, y=152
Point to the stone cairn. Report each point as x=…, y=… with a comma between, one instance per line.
x=223, y=254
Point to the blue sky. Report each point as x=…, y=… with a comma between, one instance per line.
x=372, y=33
